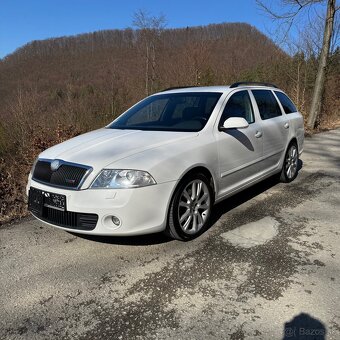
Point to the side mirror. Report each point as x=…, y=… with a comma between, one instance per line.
x=235, y=123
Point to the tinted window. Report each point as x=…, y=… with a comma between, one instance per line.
x=169, y=112
x=267, y=104
x=182, y=104
x=286, y=103
x=239, y=105
x=150, y=113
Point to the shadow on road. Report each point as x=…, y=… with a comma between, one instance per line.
x=218, y=210
x=141, y=240
x=304, y=327
x=236, y=200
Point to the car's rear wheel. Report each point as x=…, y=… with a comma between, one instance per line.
x=290, y=164
x=190, y=208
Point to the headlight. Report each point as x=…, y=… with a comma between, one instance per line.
x=123, y=179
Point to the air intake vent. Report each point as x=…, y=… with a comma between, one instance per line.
x=68, y=219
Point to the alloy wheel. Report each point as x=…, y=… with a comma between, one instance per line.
x=291, y=162
x=194, y=206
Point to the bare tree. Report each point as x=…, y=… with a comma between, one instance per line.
x=321, y=75
x=288, y=17
x=150, y=28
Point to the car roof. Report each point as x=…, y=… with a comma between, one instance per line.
x=197, y=89
x=222, y=88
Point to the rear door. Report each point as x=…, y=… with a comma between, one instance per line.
x=239, y=150
x=275, y=127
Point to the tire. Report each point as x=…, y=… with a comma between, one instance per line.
x=290, y=164
x=190, y=212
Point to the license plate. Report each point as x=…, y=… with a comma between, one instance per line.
x=38, y=199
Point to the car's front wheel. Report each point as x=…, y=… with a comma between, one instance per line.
x=190, y=208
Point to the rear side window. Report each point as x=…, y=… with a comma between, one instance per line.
x=267, y=104
x=239, y=105
x=286, y=103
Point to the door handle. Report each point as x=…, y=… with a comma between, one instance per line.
x=258, y=134
x=286, y=126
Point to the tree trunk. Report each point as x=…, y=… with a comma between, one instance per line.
x=147, y=70
x=153, y=66
x=321, y=75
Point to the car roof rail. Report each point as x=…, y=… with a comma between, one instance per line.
x=177, y=88
x=251, y=83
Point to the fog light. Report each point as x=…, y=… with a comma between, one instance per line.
x=115, y=220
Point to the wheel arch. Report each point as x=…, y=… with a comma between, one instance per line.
x=292, y=140
x=203, y=170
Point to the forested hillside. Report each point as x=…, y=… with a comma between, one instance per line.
x=53, y=89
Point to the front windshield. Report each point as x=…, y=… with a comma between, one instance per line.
x=188, y=111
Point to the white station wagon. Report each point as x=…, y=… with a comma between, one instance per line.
x=164, y=163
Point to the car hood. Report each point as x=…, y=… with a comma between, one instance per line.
x=101, y=147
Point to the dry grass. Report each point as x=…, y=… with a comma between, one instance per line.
x=14, y=171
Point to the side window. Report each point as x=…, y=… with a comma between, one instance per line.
x=286, y=103
x=267, y=104
x=238, y=105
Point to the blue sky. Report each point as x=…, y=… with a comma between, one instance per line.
x=22, y=21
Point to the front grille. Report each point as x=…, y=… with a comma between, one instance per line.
x=68, y=175
x=68, y=219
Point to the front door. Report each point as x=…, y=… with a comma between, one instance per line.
x=239, y=150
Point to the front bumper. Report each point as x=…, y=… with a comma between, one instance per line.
x=140, y=210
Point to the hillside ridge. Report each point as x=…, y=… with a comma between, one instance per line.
x=65, y=42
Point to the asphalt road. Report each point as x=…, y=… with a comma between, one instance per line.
x=268, y=268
